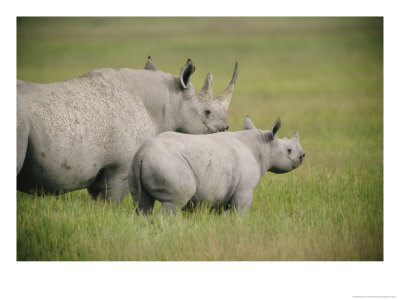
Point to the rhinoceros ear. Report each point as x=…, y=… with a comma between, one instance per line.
x=150, y=65
x=186, y=71
x=275, y=127
x=248, y=124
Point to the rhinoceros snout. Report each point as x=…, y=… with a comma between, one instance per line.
x=225, y=128
x=222, y=128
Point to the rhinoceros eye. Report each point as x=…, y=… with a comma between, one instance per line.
x=207, y=112
x=289, y=150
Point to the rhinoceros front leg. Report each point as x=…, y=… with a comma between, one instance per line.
x=111, y=183
x=241, y=200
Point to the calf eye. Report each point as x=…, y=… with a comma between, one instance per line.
x=207, y=112
x=289, y=150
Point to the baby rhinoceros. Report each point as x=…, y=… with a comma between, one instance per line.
x=221, y=169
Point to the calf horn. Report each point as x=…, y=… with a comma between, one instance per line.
x=205, y=94
x=226, y=96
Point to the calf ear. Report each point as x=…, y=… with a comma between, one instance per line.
x=275, y=127
x=186, y=71
x=248, y=124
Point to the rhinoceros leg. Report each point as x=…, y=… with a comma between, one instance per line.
x=111, y=183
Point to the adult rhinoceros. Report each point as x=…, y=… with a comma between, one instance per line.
x=83, y=132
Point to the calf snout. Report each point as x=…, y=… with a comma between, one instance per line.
x=301, y=156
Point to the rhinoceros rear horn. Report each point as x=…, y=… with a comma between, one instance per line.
x=205, y=93
x=150, y=65
x=186, y=71
x=226, y=96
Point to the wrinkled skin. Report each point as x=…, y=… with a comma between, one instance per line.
x=83, y=132
x=222, y=168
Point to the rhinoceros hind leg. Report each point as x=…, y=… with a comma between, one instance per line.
x=110, y=184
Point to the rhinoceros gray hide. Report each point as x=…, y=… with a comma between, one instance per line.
x=83, y=132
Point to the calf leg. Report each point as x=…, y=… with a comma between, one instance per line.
x=176, y=194
x=171, y=182
x=174, y=198
x=241, y=200
x=144, y=202
x=169, y=208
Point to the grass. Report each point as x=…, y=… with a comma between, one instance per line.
x=322, y=76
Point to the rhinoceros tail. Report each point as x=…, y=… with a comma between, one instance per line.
x=150, y=65
x=137, y=173
x=23, y=133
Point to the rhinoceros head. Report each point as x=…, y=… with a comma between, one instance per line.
x=215, y=109
x=200, y=113
x=283, y=155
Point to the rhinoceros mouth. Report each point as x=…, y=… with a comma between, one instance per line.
x=211, y=130
x=215, y=129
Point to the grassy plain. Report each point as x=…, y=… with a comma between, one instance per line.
x=322, y=76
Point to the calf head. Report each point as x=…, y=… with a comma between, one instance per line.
x=200, y=113
x=282, y=155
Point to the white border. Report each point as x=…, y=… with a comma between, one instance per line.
x=200, y=280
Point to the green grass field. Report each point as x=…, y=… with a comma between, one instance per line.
x=322, y=76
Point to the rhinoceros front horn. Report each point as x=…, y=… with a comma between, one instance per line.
x=226, y=96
